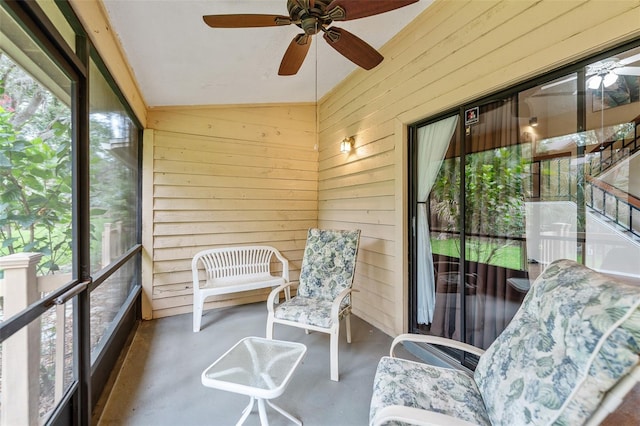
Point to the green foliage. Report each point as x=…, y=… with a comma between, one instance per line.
x=494, y=204
x=35, y=170
x=35, y=213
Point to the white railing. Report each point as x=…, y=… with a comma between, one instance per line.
x=45, y=283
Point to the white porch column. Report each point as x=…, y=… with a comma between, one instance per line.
x=21, y=352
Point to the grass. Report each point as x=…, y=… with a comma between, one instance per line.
x=506, y=256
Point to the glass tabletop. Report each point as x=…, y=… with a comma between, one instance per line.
x=255, y=366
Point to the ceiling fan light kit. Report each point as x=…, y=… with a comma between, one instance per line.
x=606, y=72
x=314, y=16
x=608, y=80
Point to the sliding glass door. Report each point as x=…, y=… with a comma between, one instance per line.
x=545, y=171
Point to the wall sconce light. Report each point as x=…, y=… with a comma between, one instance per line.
x=347, y=144
x=533, y=121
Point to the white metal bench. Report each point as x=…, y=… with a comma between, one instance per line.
x=233, y=269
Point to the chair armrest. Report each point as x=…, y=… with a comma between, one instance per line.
x=434, y=340
x=415, y=416
x=271, y=300
x=335, y=306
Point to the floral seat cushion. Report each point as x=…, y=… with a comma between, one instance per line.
x=413, y=384
x=305, y=311
x=576, y=334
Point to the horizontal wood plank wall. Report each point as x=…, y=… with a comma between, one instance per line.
x=455, y=51
x=244, y=175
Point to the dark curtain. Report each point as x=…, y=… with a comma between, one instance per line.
x=491, y=298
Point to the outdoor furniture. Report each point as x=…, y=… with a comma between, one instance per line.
x=569, y=356
x=233, y=269
x=258, y=367
x=324, y=293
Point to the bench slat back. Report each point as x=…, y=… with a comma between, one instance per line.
x=236, y=261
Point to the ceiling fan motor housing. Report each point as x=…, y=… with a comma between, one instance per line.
x=310, y=18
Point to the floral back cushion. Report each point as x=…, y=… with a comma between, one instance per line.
x=575, y=335
x=329, y=263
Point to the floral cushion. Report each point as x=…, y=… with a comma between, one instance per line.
x=413, y=384
x=575, y=335
x=328, y=265
x=306, y=311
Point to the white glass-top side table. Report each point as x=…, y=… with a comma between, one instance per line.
x=258, y=367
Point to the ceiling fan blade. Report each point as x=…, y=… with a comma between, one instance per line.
x=627, y=71
x=353, y=48
x=345, y=10
x=295, y=54
x=245, y=20
x=558, y=82
x=630, y=59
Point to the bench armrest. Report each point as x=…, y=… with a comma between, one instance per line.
x=285, y=265
x=434, y=340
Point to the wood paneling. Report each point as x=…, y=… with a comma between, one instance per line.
x=225, y=176
x=455, y=51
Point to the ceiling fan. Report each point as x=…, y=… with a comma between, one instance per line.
x=314, y=16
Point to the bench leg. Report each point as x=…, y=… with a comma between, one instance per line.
x=198, y=306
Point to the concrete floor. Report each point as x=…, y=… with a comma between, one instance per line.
x=159, y=381
x=159, y=378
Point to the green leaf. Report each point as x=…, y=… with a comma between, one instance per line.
x=9, y=242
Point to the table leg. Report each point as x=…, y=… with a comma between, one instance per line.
x=284, y=413
x=263, y=413
x=246, y=412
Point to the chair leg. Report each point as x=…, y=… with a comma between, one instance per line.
x=333, y=353
x=198, y=307
x=269, y=326
x=347, y=321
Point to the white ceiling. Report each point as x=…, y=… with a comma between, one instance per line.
x=178, y=60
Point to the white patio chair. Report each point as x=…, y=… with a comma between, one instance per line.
x=568, y=357
x=324, y=292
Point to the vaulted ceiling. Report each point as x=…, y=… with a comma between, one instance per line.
x=178, y=60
